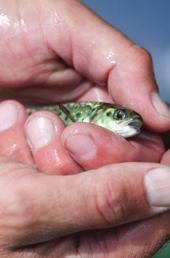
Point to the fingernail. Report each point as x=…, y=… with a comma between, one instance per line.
x=81, y=146
x=157, y=184
x=8, y=115
x=40, y=131
x=160, y=106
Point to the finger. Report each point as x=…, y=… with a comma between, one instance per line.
x=96, y=147
x=111, y=196
x=166, y=158
x=158, y=184
x=12, y=139
x=110, y=59
x=51, y=157
x=146, y=237
x=43, y=130
x=141, y=239
x=96, y=93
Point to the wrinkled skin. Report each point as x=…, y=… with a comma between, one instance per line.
x=140, y=239
x=56, y=62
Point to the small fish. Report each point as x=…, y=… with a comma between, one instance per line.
x=119, y=120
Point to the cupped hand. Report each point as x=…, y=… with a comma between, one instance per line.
x=78, y=215
x=82, y=215
x=45, y=57
x=58, y=50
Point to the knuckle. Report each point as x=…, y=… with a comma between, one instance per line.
x=112, y=202
x=15, y=210
x=142, y=55
x=25, y=207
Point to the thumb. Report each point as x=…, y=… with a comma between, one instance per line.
x=33, y=202
x=106, y=57
x=157, y=183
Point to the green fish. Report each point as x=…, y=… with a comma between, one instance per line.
x=119, y=120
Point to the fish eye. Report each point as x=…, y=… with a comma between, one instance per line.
x=119, y=114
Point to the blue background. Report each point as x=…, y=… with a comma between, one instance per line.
x=147, y=22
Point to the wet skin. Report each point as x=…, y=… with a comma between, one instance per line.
x=56, y=62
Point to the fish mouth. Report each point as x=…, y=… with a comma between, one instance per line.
x=130, y=129
x=136, y=124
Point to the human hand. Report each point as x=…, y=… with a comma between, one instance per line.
x=104, y=199
x=42, y=73
x=45, y=57
x=48, y=215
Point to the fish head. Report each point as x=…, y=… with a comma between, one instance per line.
x=122, y=121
